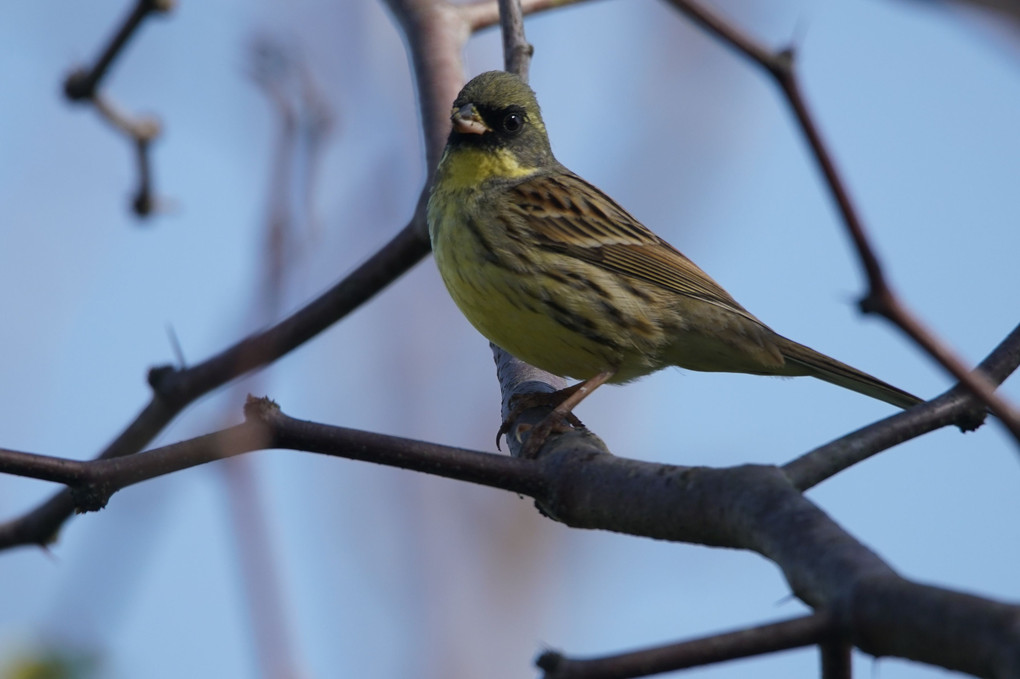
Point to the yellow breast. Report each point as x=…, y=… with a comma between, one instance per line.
x=468, y=168
x=522, y=299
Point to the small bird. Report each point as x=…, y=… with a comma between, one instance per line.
x=554, y=271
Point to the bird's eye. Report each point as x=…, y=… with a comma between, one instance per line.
x=513, y=122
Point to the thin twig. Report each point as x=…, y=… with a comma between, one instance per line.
x=880, y=297
x=517, y=50
x=95, y=481
x=141, y=131
x=83, y=82
x=82, y=85
x=778, y=636
x=483, y=14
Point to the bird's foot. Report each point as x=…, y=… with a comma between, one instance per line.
x=554, y=422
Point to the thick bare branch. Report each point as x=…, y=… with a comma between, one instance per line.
x=751, y=507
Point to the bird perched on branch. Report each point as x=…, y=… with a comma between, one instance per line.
x=555, y=272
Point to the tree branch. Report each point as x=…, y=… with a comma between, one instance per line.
x=82, y=84
x=880, y=297
x=837, y=661
x=956, y=406
x=778, y=636
x=752, y=507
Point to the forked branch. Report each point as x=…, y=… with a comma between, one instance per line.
x=82, y=85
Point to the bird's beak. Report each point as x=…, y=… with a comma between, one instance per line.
x=467, y=121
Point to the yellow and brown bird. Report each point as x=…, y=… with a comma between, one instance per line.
x=552, y=270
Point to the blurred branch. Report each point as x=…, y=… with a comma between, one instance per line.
x=880, y=298
x=82, y=84
x=303, y=123
x=306, y=121
x=1008, y=10
x=436, y=33
x=175, y=388
x=517, y=50
x=778, y=636
x=486, y=13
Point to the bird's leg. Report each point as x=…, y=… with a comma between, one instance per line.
x=538, y=399
x=561, y=417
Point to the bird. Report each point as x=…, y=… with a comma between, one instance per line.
x=554, y=271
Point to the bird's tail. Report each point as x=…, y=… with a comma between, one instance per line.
x=805, y=361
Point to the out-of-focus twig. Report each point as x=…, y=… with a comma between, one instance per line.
x=82, y=85
x=283, y=78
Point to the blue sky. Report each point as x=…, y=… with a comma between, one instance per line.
x=386, y=573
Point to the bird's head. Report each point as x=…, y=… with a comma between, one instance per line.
x=497, y=113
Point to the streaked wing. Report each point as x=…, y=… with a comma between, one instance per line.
x=567, y=214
